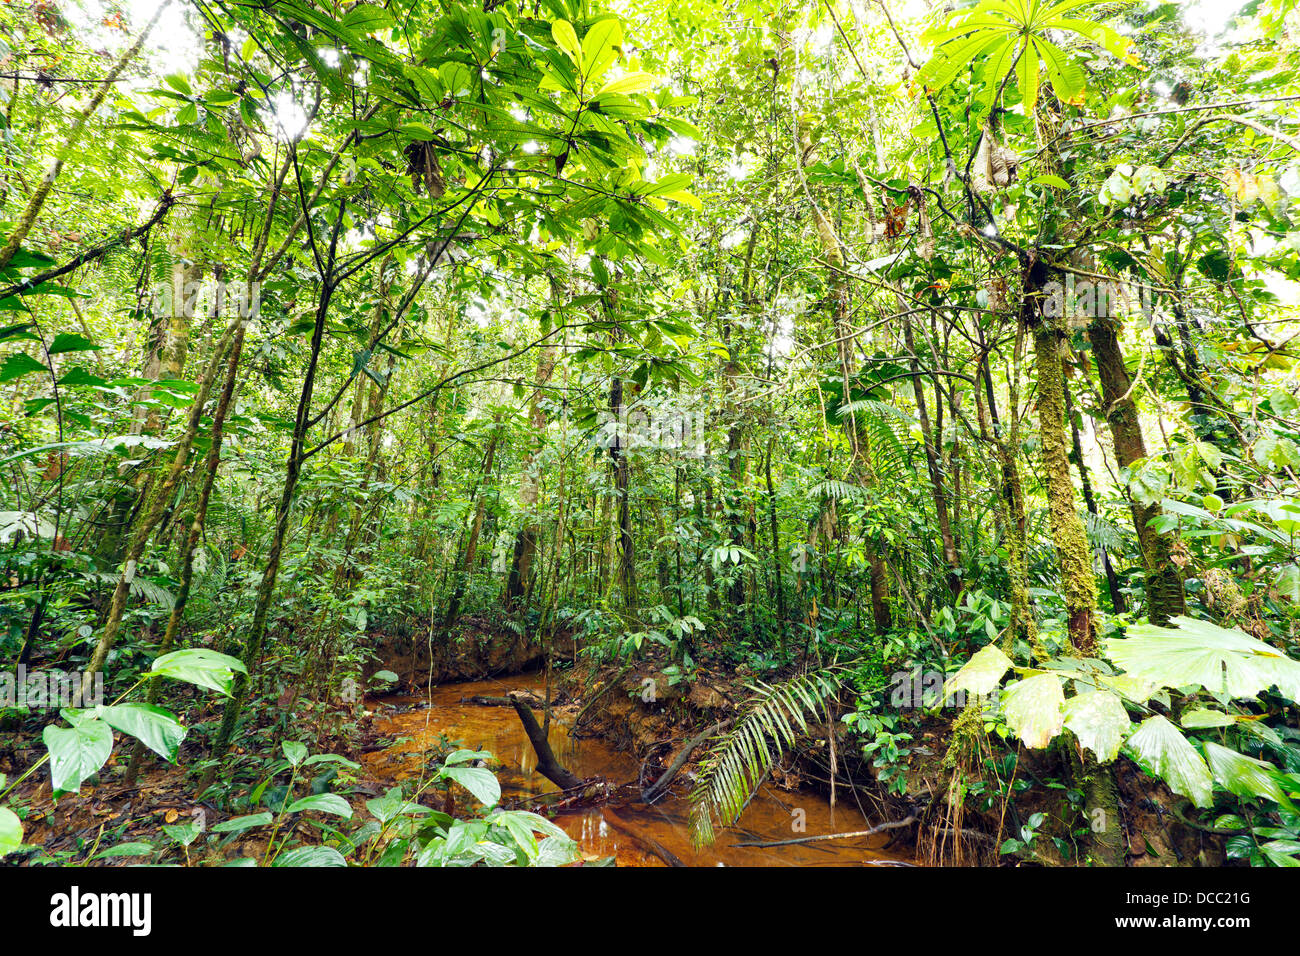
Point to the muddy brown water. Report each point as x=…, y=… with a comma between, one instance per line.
x=772, y=815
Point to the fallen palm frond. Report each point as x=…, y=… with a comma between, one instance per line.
x=737, y=763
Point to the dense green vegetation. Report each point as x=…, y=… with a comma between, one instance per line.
x=926, y=367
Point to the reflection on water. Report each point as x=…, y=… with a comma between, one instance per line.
x=772, y=814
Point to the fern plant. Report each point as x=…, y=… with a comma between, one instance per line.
x=734, y=768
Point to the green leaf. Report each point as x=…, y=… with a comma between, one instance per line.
x=200, y=666
x=183, y=833
x=126, y=849
x=629, y=83
x=1027, y=77
x=367, y=18
x=246, y=822
x=1099, y=720
x=294, y=752
x=67, y=342
x=567, y=40
x=1223, y=661
x=1171, y=757
x=477, y=780
x=323, y=803
x=1033, y=708
x=1056, y=182
x=311, y=856
x=1245, y=776
x=78, y=751
x=18, y=365
x=981, y=674
x=1287, y=582
x=600, y=46
x=156, y=728
x=11, y=832
x=464, y=756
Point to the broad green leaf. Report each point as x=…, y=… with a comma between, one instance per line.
x=126, y=849
x=1033, y=708
x=156, y=728
x=567, y=40
x=323, y=803
x=1202, y=719
x=246, y=822
x=629, y=83
x=464, y=756
x=294, y=752
x=1287, y=582
x=1171, y=757
x=311, y=856
x=367, y=18
x=1223, y=661
x=78, y=751
x=1048, y=179
x=1066, y=75
x=67, y=342
x=477, y=780
x=183, y=833
x=1245, y=776
x=11, y=831
x=1099, y=720
x=200, y=666
x=18, y=365
x=600, y=47
x=1027, y=77
x=981, y=674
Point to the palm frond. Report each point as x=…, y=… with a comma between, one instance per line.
x=736, y=765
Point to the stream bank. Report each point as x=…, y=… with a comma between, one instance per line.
x=633, y=833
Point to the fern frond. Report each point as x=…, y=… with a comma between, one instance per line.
x=735, y=767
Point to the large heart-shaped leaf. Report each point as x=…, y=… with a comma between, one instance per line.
x=77, y=751
x=311, y=856
x=1245, y=776
x=11, y=831
x=198, y=665
x=157, y=729
x=477, y=780
x=323, y=803
x=981, y=674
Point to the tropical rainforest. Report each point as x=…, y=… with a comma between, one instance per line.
x=620, y=432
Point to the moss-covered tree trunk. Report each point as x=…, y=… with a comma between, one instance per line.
x=1074, y=558
x=1164, y=581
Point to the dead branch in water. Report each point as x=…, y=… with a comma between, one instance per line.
x=896, y=824
x=547, y=765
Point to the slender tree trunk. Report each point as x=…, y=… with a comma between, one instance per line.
x=1112, y=580
x=1164, y=581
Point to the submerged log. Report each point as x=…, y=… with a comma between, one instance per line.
x=483, y=700
x=547, y=765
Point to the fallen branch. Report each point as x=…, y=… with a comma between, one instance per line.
x=657, y=789
x=836, y=836
x=547, y=765
x=483, y=700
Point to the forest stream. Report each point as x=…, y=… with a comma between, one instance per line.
x=629, y=831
